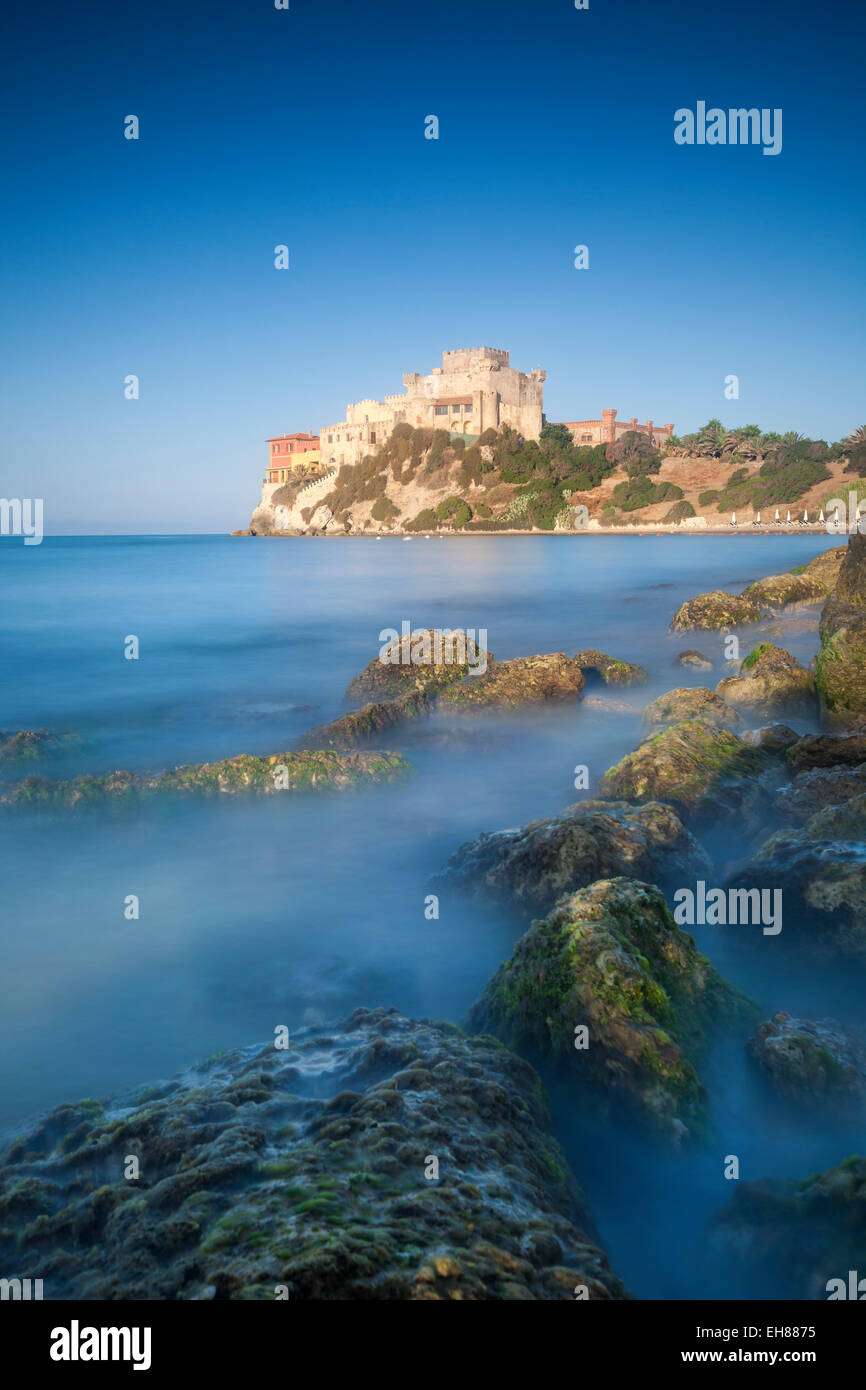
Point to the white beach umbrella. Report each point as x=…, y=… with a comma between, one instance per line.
x=733, y=518
x=821, y=517
x=777, y=516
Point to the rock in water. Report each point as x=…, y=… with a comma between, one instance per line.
x=308, y=1171
x=707, y=774
x=807, y=1235
x=690, y=703
x=841, y=666
x=421, y=660
x=693, y=658
x=610, y=959
x=806, y=584
x=812, y=1064
x=717, y=609
x=611, y=671
x=535, y=865
x=771, y=683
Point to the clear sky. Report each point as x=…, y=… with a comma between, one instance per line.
x=306, y=127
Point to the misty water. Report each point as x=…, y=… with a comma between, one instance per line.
x=295, y=910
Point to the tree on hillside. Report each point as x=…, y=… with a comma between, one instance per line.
x=558, y=436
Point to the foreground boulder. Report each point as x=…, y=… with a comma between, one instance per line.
x=805, y=584
x=241, y=776
x=690, y=703
x=812, y=1064
x=806, y=1235
x=611, y=671
x=308, y=1171
x=610, y=959
x=535, y=865
x=840, y=671
x=707, y=773
x=770, y=683
x=717, y=609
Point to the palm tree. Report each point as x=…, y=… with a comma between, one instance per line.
x=856, y=439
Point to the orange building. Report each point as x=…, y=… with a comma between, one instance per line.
x=288, y=452
x=609, y=429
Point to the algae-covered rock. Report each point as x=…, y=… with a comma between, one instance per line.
x=770, y=682
x=707, y=773
x=515, y=684
x=807, y=1234
x=717, y=609
x=805, y=584
x=840, y=670
x=812, y=1064
x=241, y=776
x=425, y=660
x=370, y=723
x=690, y=703
x=26, y=745
x=308, y=1173
x=609, y=669
x=535, y=865
x=610, y=959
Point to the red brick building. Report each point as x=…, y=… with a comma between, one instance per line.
x=608, y=429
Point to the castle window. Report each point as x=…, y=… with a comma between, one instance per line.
x=441, y=410
x=455, y=410
x=467, y=410
x=372, y=436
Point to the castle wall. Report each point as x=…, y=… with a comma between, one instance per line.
x=475, y=389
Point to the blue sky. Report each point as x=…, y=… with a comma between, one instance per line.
x=306, y=127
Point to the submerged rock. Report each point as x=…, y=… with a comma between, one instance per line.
x=26, y=745
x=692, y=658
x=422, y=660
x=807, y=1234
x=241, y=776
x=840, y=670
x=812, y=1064
x=308, y=1171
x=369, y=723
x=773, y=738
x=611, y=671
x=707, y=773
x=690, y=703
x=717, y=609
x=609, y=958
x=535, y=865
x=771, y=682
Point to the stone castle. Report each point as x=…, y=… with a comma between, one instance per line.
x=475, y=389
